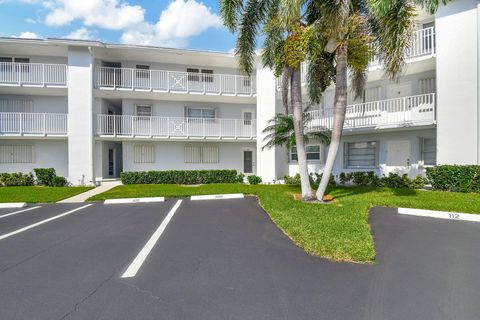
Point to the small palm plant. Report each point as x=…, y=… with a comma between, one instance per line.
x=280, y=132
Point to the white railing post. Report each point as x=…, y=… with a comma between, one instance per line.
x=150, y=78
x=44, y=124
x=151, y=118
x=236, y=89
x=20, y=124
x=235, y=128
x=114, y=79
x=43, y=74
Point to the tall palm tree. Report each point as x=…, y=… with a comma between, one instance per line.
x=353, y=31
x=280, y=132
x=281, y=22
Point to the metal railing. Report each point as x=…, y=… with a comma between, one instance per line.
x=175, y=127
x=33, y=74
x=406, y=111
x=175, y=81
x=38, y=124
x=423, y=44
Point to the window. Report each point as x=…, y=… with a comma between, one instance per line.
x=361, y=154
x=7, y=105
x=144, y=154
x=17, y=154
x=247, y=118
x=207, y=75
x=429, y=151
x=313, y=153
x=426, y=85
x=201, y=113
x=142, y=71
x=143, y=111
x=8, y=67
x=195, y=74
x=201, y=154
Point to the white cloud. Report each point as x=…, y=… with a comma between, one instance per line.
x=107, y=14
x=80, y=34
x=180, y=21
x=27, y=35
x=31, y=21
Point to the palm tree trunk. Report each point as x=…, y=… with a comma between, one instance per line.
x=340, y=108
x=296, y=97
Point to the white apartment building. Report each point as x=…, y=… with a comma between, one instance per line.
x=92, y=110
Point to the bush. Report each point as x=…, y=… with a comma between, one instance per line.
x=314, y=177
x=253, y=179
x=180, y=177
x=455, y=178
x=59, y=181
x=393, y=180
x=45, y=176
x=241, y=178
x=16, y=179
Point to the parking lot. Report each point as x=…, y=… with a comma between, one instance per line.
x=225, y=259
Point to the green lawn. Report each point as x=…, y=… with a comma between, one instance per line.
x=337, y=231
x=38, y=194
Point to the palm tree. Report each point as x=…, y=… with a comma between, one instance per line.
x=280, y=132
x=284, y=49
x=352, y=32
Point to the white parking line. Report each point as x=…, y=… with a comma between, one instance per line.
x=143, y=254
x=20, y=211
x=42, y=222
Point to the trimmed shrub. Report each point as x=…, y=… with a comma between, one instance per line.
x=241, y=178
x=45, y=176
x=253, y=179
x=314, y=177
x=455, y=178
x=16, y=179
x=59, y=181
x=180, y=177
x=393, y=180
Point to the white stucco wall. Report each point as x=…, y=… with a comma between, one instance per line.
x=171, y=156
x=47, y=154
x=413, y=136
x=80, y=117
x=457, y=30
x=41, y=104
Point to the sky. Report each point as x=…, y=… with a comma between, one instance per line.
x=193, y=24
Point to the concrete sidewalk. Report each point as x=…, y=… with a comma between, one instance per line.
x=82, y=197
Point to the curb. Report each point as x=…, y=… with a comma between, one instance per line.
x=10, y=205
x=134, y=200
x=457, y=216
x=218, y=196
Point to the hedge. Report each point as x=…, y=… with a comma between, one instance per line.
x=393, y=180
x=181, y=177
x=455, y=178
x=16, y=179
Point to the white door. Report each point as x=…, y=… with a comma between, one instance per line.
x=247, y=124
x=398, y=153
x=248, y=161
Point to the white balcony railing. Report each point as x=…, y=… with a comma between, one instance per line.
x=174, y=81
x=33, y=74
x=392, y=113
x=33, y=124
x=173, y=127
x=422, y=44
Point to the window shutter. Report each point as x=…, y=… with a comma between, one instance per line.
x=143, y=154
x=17, y=154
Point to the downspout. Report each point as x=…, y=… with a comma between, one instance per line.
x=93, y=146
x=478, y=82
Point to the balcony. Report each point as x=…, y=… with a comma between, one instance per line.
x=33, y=74
x=384, y=114
x=33, y=124
x=108, y=78
x=422, y=46
x=124, y=126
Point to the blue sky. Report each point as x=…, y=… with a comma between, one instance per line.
x=173, y=23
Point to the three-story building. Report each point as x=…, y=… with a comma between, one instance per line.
x=92, y=110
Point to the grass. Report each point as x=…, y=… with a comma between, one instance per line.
x=337, y=231
x=38, y=194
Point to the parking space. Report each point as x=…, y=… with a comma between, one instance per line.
x=225, y=259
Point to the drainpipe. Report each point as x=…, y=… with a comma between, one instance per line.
x=478, y=82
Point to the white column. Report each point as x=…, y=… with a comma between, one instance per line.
x=457, y=40
x=80, y=116
x=266, y=91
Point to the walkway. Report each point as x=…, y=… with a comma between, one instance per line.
x=82, y=197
